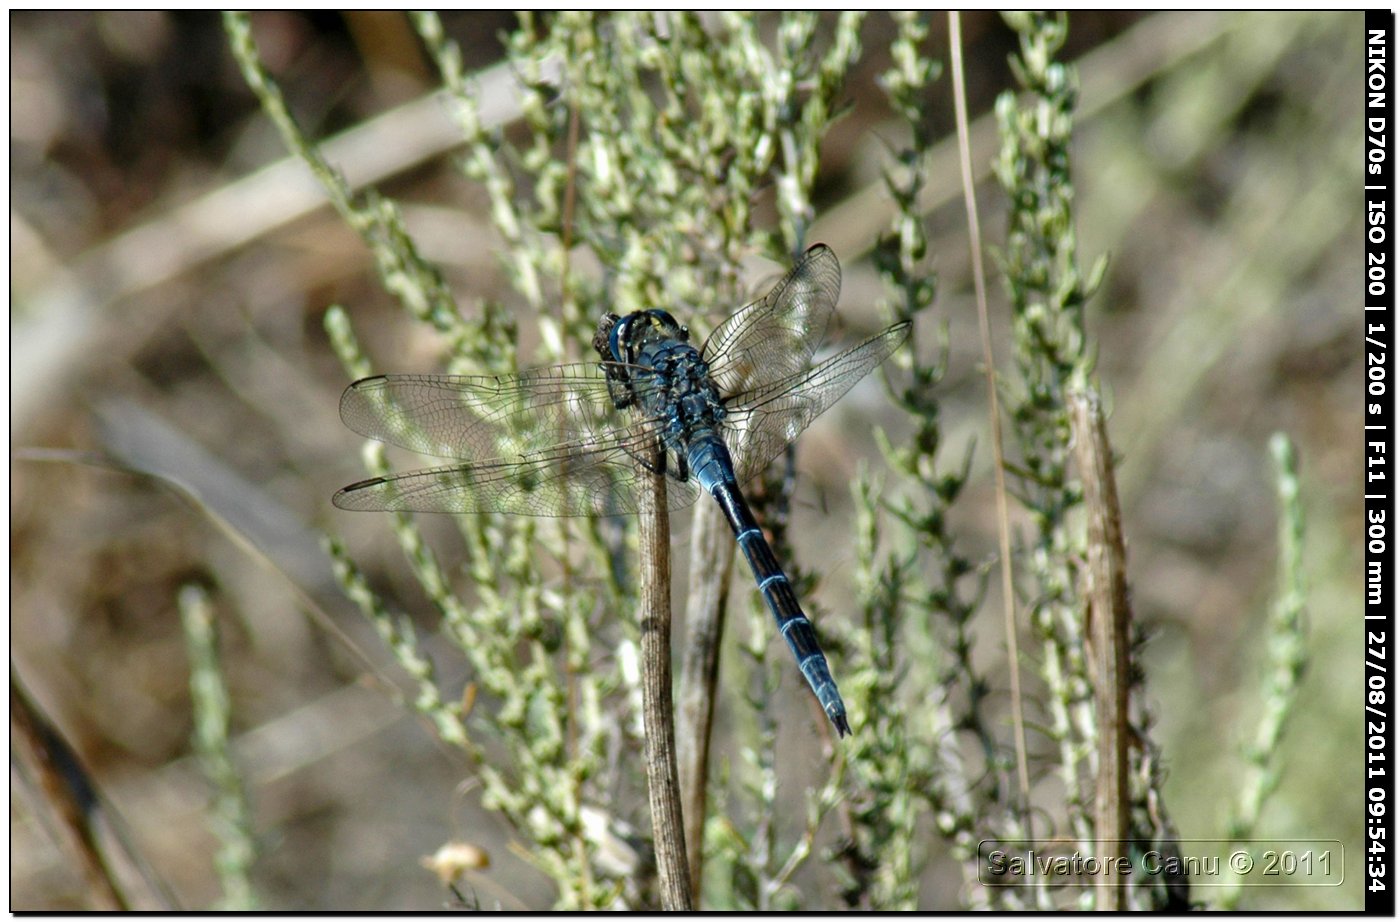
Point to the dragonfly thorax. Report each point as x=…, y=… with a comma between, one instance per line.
x=666, y=380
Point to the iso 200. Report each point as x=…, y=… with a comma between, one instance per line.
x=1292, y=863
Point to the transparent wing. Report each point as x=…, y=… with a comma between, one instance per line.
x=565, y=480
x=765, y=420
x=484, y=418
x=548, y=442
x=775, y=336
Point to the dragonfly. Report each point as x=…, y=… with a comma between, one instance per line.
x=578, y=439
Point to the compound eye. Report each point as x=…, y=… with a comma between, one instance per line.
x=618, y=335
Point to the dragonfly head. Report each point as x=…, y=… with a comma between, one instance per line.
x=630, y=333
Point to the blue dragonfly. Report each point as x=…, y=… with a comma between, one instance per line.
x=577, y=439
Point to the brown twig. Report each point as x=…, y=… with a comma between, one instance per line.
x=711, y=561
x=1106, y=588
x=663, y=790
x=70, y=807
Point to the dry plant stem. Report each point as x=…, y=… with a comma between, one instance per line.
x=1106, y=589
x=711, y=560
x=998, y=454
x=66, y=802
x=663, y=790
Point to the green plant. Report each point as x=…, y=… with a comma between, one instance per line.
x=665, y=149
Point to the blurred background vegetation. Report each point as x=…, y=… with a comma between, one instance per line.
x=168, y=295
